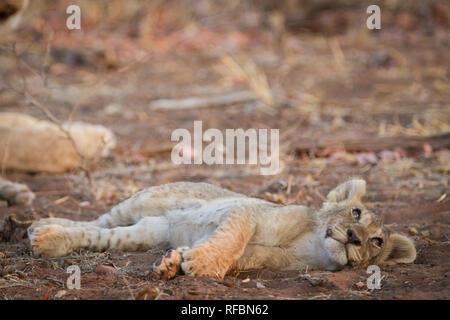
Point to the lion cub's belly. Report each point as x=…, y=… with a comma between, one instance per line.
x=197, y=220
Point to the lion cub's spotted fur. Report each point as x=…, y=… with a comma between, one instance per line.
x=215, y=231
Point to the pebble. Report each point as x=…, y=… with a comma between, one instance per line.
x=426, y=233
x=60, y=294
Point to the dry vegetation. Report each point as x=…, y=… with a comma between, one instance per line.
x=347, y=100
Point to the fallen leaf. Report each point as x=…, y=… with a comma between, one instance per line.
x=105, y=269
x=148, y=293
x=387, y=155
x=427, y=149
x=246, y=280
x=60, y=294
x=364, y=158
x=359, y=284
x=342, y=155
x=45, y=296
x=61, y=200
x=328, y=151
x=441, y=198
x=413, y=231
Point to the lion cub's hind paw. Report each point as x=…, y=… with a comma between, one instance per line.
x=48, y=221
x=50, y=241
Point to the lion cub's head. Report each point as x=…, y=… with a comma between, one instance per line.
x=353, y=235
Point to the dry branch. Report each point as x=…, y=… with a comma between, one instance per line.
x=203, y=102
x=377, y=144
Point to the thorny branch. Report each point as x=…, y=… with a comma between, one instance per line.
x=37, y=104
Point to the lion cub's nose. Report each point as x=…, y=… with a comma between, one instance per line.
x=352, y=238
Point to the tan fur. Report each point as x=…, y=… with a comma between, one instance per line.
x=27, y=143
x=11, y=12
x=216, y=231
x=215, y=256
x=16, y=193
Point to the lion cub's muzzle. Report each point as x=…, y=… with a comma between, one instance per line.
x=353, y=238
x=344, y=237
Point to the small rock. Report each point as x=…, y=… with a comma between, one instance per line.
x=60, y=294
x=277, y=186
x=148, y=293
x=381, y=59
x=84, y=204
x=314, y=281
x=387, y=155
x=426, y=233
x=260, y=285
x=364, y=158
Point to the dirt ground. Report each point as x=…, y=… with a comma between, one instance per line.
x=354, y=83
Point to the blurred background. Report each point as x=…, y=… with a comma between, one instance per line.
x=347, y=100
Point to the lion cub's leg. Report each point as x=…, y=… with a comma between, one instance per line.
x=227, y=244
x=55, y=240
x=57, y=221
x=125, y=213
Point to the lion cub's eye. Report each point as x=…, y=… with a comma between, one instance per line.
x=377, y=241
x=356, y=213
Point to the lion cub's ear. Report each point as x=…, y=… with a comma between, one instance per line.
x=398, y=249
x=349, y=192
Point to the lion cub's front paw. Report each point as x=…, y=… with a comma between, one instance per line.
x=196, y=263
x=50, y=241
x=170, y=264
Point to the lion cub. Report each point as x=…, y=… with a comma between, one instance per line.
x=30, y=144
x=215, y=231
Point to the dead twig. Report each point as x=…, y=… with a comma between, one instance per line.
x=37, y=104
x=203, y=102
x=66, y=132
x=101, y=82
x=376, y=144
